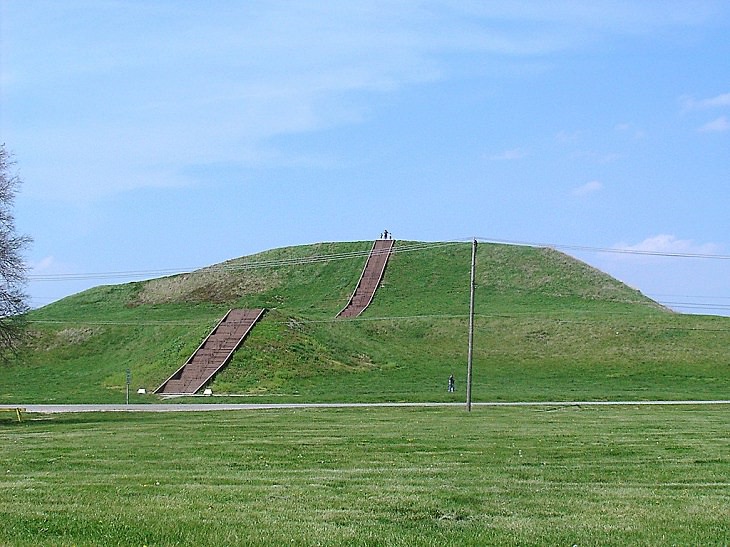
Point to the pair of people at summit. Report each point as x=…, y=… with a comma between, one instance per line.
x=386, y=235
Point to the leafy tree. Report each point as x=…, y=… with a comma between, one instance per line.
x=12, y=267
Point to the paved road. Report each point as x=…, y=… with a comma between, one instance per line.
x=179, y=407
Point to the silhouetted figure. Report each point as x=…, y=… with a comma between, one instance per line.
x=451, y=383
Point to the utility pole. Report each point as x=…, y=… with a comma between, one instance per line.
x=471, y=325
x=129, y=381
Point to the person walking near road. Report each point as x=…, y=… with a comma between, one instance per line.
x=451, y=383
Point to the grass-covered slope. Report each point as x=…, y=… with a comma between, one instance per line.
x=548, y=328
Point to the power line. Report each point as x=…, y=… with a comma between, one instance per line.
x=248, y=264
x=244, y=264
x=392, y=319
x=616, y=250
x=697, y=305
x=656, y=295
x=235, y=265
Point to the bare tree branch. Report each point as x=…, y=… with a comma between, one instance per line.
x=13, y=270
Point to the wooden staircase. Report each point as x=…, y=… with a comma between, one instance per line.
x=370, y=279
x=213, y=354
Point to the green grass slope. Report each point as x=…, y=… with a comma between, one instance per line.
x=548, y=327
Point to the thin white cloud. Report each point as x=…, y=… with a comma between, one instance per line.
x=630, y=129
x=568, y=136
x=718, y=101
x=598, y=157
x=669, y=244
x=617, y=16
x=43, y=265
x=509, y=155
x=588, y=188
x=717, y=125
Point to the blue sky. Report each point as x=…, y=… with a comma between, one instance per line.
x=158, y=136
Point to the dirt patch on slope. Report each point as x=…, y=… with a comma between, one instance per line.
x=219, y=285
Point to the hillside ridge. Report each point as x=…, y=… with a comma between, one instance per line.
x=544, y=321
x=501, y=269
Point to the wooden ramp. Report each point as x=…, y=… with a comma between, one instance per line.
x=370, y=279
x=213, y=354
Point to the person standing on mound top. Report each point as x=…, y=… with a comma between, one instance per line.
x=451, y=383
x=385, y=234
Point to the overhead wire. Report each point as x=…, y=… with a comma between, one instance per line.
x=631, y=251
x=246, y=263
x=586, y=316
x=616, y=250
x=237, y=264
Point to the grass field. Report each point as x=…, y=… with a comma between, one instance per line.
x=385, y=476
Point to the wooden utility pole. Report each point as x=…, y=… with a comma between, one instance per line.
x=129, y=381
x=471, y=324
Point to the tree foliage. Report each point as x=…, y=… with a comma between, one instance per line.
x=13, y=300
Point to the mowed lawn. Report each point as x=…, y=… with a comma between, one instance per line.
x=628, y=475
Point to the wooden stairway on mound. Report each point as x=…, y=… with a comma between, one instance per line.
x=370, y=279
x=213, y=354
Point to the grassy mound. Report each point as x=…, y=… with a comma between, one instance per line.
x=548, y=327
